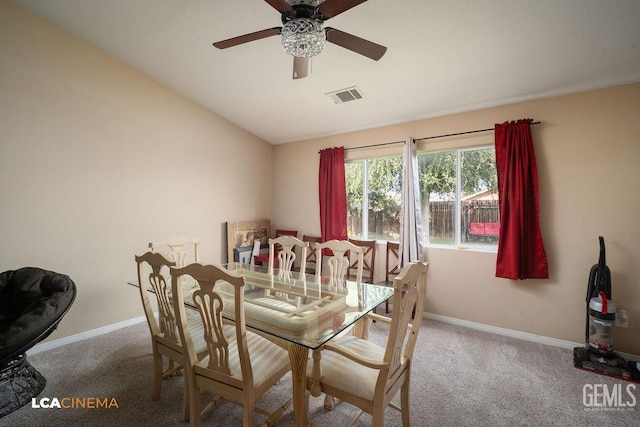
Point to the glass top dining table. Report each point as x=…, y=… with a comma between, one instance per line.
x=301, y=310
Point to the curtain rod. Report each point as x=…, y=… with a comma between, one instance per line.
x=427, y=137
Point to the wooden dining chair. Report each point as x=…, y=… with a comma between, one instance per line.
x=285, y=259
x=153, y=278
x=391, y=267
x=368, y=260
x=261, y=259
x=365, y=374
x=175, y=248
x=240, y=366
x=338, y=263
x=282, y=250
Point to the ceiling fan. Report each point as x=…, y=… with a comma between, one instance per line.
x=303, y=34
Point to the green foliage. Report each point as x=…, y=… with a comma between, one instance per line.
x=353, y=175
x=436, y=174
x=385, y=183
x=478, y=171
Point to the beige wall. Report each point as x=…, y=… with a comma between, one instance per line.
x=588, y=153
x=96, y=160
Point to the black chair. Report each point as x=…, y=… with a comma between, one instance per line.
x=32, y=303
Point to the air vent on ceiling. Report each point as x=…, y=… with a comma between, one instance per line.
x=346, y=95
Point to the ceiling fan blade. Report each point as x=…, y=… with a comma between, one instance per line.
x=300, y=67
x=248, y=38
x=330, y=8
x=280, y=5
x=356, y=44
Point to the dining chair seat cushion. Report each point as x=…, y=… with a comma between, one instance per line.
x=267, y=358
x=347, y=375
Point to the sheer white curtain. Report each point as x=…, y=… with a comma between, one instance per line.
x=410, y=216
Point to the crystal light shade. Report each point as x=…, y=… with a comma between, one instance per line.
x=313, y=3
x=303, y=37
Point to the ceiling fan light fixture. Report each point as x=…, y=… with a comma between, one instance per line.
x=313, y=3
x=303, y=37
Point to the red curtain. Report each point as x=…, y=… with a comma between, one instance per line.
x=521, y=253
x=333, y=194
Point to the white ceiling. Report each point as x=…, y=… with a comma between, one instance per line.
x=443, y=56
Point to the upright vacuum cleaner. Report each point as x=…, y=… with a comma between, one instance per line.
x=597, y=355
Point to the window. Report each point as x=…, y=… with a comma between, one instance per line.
x=374, y=186
x=459, y=194
x=458, y=191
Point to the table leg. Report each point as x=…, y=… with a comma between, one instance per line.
x=298, y=356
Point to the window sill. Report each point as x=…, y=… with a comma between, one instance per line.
x=463, y=247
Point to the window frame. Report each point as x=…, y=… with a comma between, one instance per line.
x=364, y=220
x=458, y=244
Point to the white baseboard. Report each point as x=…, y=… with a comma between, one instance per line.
x=452, y=320
x=49, y=345
x=516, y=334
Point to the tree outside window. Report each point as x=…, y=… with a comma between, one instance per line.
x=459, y=196
x=458, y=191
x=374, y=186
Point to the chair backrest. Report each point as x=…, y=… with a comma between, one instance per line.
x=209, y=300
x=338, y=263
x=312, y=256
x=408, y=297
x=281, y=232
x=393, y=256
x=153, y=272
x=368, y=259
x=286, y=255
x=177, y=249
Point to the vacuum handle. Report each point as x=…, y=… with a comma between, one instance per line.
x=602, y=261
x=604, y=274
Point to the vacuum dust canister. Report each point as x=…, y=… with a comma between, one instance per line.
x=602, y=314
